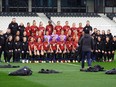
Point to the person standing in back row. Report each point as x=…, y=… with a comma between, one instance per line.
x=87, y=46
x=13, y=26
x=87, y=27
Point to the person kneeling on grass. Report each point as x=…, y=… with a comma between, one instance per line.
x=87, y=45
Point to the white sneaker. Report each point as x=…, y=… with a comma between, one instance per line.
x=23, y=61
x=27, y=61
x=76, y=61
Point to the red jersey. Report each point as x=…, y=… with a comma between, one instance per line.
x=61, y=45
x=53, y=45
x=28, y=30
x=34, y=29
x=42, y=29
x=80, y=30
x=75, y=44
x=38, y=45
x=29, y=38
x=69, y=45
x=41, y=37
x=49, y=28
x=66, y=29
x=46, y=46
x=31, y=46
x=73, y=29
x=58, y=29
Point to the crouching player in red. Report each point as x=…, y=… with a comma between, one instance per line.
x=38, y=51
x=46, y=50
x=68, y=49
x=53, y=48
x=61, y=50
x=31, y=50
x=75, y=50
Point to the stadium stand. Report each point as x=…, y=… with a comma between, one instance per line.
x=72, y=14
x=112, y=16
x=19, y=14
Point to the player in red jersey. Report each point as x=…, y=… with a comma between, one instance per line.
x=58, y=28
x=66, y=27
x=54, y=35
x=31, y=49
x=53, y=48
x=46, y=49
x=47, y=36
x=80, y=30
x=49, y=27
x=61, y=49
x=62, y=36
x=28, y=29
x=39, y=34
x=41, y=28
x=75, y=50
x=69, y=34
x=75, y=35
x=73, y=28
x=34, y=27
x=69, y=45
x=38, y=50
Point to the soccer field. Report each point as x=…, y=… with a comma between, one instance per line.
x=70, y=76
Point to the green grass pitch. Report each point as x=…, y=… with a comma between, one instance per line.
x=70, y=76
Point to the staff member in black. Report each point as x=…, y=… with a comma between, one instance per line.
x=103, y=36
x=17, y=49
x=113, y=48
x=17, y=34
x=109, y=34
x=21, y=29
x=13, y=26
x=6, y=35
x=1, y=44
x=98, y=49
x=24, y=50
x=87, y=27
x=9, y=48
x=24, y=35
x=107, y=49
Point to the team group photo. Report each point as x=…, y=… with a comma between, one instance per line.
x=52, y=43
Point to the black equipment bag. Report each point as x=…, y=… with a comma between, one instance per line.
x=25, y=71
x=112, y=71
